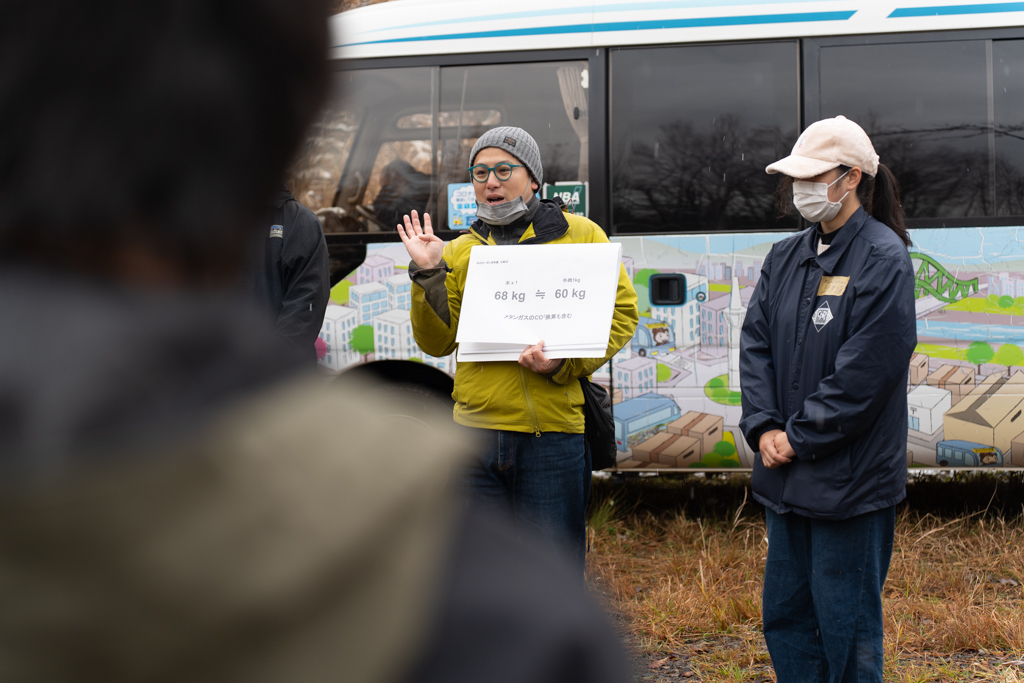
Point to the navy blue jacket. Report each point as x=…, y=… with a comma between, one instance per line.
x=826, y=360
x=288, y=273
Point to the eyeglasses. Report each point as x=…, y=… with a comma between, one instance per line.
x=481, y=173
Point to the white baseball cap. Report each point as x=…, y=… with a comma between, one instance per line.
x=825, y=145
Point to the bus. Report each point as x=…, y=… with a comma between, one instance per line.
x=967, y=454
x=656, y=118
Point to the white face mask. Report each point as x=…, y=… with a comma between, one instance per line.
x=811, y=200
x=505, y=212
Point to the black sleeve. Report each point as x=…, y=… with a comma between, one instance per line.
x=305, y=277
x=757, y=371
x=510, y=613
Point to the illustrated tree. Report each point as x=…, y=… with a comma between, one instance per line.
x=642, y=277
x=664, y=372
x=362, y=339
x=1009, y=355
x=980, y=353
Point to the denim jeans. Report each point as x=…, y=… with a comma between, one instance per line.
x=542, y=482
x=822, y=601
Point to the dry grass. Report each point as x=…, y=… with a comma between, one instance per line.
x=683, y=562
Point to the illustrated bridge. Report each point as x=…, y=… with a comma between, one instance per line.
x=932, y=278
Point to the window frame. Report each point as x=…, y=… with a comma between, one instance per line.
x=599, y=65
x=596, y=59
x=800, y=121
x=811, y=94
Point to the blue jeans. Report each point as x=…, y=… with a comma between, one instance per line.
x=541, y=482
x=822, y=601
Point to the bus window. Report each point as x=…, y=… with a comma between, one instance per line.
x=354, y=172
x=925, y=106
x=692, y=129
x=1008, y=92
x=550, y=100
x=314, y=175
x=399, y=183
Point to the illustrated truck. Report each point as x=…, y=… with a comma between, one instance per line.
x=642, y=413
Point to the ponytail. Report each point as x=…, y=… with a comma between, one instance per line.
x=884, y=204
x=880, y=197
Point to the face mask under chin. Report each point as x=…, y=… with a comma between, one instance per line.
x=505, y=212
x=811, y=200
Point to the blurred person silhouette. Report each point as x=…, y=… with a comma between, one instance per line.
x=180, y=501
x=289, y=274
x=403, y=190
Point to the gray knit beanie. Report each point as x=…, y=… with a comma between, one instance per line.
x=516, y=142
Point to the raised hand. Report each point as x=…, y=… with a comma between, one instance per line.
x=424, y=247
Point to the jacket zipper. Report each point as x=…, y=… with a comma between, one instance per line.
x=529, y=401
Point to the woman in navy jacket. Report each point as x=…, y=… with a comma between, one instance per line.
x=825, y=350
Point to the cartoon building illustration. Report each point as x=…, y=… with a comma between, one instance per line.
x=1016, y=454
x=336, y=332
x=636, y=376
x=685, y=320
x=374, y=269
x=627, y=263
x=399, y=291
x=392, y=335
x=1005, y=284
x=735, y=314
x=707, y=429
x=668, y=450
x=925, y=406
x=444, y=363
x=991, y=414
x=958, y=381
x=370, y=299
x=603, y=374
x=713, y=324
x=965, y=382
x=918, y=369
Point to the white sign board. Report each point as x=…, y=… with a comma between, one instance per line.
x=518, y=295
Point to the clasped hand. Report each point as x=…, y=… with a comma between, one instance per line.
x=775, y=449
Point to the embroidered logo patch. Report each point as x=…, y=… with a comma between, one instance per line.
x=822, y=316
x=511, y=142
x=277, y=231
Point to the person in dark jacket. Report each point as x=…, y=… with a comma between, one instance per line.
x=289, y=273
x=825, y=348
x=180, y=500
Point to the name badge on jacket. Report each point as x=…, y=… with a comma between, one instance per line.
x=832, y=286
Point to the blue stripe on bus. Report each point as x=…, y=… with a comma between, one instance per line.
x=590, y=9
x=987, y=8
x=703, y=22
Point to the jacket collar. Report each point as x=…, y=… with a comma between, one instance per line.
x=549, y=224
x=828, y=260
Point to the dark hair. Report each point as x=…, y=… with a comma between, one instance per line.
x=164, y=123
x=880, y=196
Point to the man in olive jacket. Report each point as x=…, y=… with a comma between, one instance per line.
x=537, y=466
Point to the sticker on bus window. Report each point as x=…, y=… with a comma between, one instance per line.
x=461, y=206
